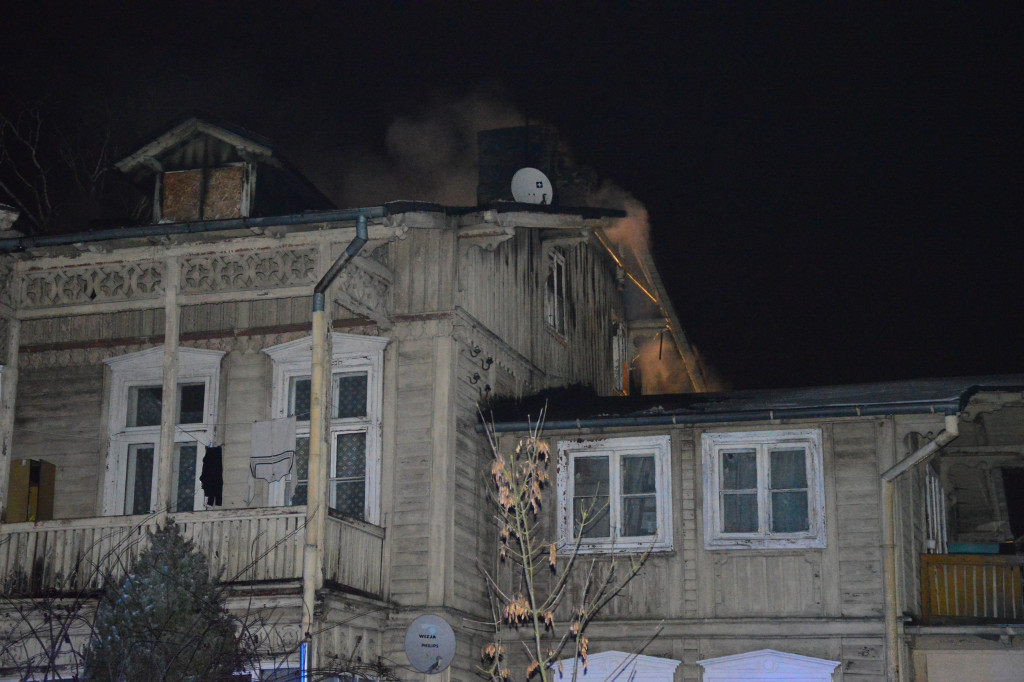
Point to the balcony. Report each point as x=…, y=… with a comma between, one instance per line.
x=242, y=546
x=966, y=589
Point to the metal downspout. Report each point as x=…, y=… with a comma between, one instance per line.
x=316, y=488
x=893, y=672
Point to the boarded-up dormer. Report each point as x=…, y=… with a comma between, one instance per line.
x=197, y=170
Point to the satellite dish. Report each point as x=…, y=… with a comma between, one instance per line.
x=430, y=644
x=531, y=186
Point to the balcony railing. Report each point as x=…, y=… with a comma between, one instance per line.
x=242, y=545
x=971, y=589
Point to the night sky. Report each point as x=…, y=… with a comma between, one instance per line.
x=835, y=191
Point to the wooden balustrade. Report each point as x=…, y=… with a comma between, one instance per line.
x=242, y=545
x=971, y=589
x=353, y=551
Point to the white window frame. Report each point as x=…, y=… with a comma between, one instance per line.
x=145, y=368
x=349, y=353
x=554, y=293
x=713, y=444
x=615, y=448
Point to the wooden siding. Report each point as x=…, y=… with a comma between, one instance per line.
x=505, y=289
x=410, y=504
x=131, y=324
x=423, y=263
x=767, y=584
x=474, y=536
x=58, y=418
x=352, y=555
x=858, y=511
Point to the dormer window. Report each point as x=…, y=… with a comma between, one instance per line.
x=203, y=194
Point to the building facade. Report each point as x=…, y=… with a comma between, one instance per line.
x=435, y=310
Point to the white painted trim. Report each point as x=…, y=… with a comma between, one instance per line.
x=145, y=368
x=658, y=446
x=624, y=666
x=767, y=665
x=762, y=441
x=555, y=298
x=349, y=353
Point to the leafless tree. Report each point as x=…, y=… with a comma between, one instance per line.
x=543, y=596
x=57, y=168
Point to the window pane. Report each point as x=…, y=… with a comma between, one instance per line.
x=139, y=482
x=144, y=405
x=590, y=476
x=300, y=472
x=350, y=474
x=351, y=396
x=298, y=399
x=185, y=481
x=638, y=474
x=639, y=515
x=739, y=470
x=593, y=514
x=590, y=497
x=191, y=401
x=789, y=469
x=789, y=512
x=349, y=498
x=739, y=512
x=350, y=455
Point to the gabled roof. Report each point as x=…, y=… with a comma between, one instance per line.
x=242, y=140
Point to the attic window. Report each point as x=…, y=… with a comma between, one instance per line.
x=202, y=194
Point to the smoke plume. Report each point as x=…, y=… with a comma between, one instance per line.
x=430, y=156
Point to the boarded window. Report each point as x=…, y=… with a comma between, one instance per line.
x=223, y=197
x=202, y=194
x=181, y=195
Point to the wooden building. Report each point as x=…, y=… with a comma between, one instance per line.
x=837, y=533
x=840, y=533
x=211, y=302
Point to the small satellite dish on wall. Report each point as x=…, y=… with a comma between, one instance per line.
x=430, y=644
x=531, y=186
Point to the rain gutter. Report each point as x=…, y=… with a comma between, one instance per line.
x=931, y=407
x=198, y=227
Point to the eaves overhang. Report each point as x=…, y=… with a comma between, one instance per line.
x=926, y=396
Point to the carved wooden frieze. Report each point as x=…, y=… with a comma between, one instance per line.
x=363, y=288
x=99, y=283
x=235, y=271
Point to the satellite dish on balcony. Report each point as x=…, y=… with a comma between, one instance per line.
x=531, y=186
x=430, y=644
